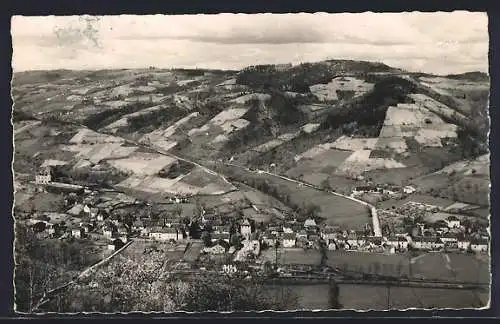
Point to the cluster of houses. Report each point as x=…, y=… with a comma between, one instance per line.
x=449, y=232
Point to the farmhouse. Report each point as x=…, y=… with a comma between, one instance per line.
x=44, y=176
x=289, y=240
x=164, y=233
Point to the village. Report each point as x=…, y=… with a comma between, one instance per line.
x=209, y=240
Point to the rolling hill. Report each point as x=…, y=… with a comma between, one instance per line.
x=333, y=122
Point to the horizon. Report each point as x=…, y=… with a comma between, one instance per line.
x=234, y=70
x=435, y=43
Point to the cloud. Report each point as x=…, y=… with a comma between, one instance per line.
x=448, y=42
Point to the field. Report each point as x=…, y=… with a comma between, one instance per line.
x=317, y=169
x=163, y=134
x=98, y=152
x=327, y=92
x=354, y=144
x=87, y=136
x=334, y=209
x=123, y=122
x=360, y=161
x=142, y=164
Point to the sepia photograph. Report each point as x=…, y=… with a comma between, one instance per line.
x=251, y=162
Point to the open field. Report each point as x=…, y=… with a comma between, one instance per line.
x=330, y=91
x=334, y=209
x=143, y=164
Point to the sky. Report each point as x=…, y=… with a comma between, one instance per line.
x=439, y=43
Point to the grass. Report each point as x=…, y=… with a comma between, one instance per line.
x=334, y=209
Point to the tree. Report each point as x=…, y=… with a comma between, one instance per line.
x=206, y=238
x=236, y=240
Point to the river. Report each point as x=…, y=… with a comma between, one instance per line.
x=365, y=297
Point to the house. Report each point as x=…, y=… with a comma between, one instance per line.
x=479, y=245
x=332, y=246
x=123, y=233
x=302, y=234
x=287, y=228
x=449, y=238
x=216, y=249
x=138, y=225
x=109, y=230
x=398, y=242
x=309, y=223
x=44, y=176
x=222, y=229
x=428, y=243
x=208, y=217
x=463, y=244
x=164, y=233
x=409, y=190
x=101, y=216
x=289, y=240
x=328, y=233
x=275, y=230
x=269, y=239
x=373, y=241
x=453, y=222
x=246, y=228
x=77, y=232
x=87, y=227
x=354, y=240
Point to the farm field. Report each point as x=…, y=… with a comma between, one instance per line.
x=334, y=209
x=324, y=163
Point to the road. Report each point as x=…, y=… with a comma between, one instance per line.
x=373, y=211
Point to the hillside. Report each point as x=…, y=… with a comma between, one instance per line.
x=334, y=122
